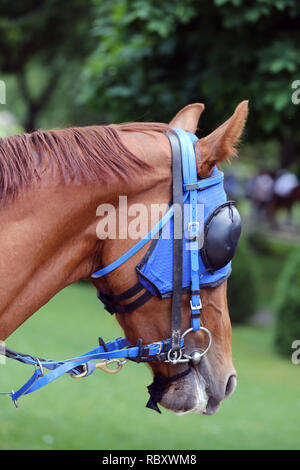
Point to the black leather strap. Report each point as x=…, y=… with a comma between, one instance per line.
x=177, y=242
x=111, y=304
x=133, y=305
x=125, y=295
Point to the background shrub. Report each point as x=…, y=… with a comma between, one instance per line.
x=241, y=291
x=287, y=305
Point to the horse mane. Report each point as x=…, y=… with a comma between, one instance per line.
x=80, y=154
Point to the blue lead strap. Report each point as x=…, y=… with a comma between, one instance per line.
x=118, y=349
x=58, y=368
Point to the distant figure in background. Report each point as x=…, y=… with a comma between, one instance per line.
x=270, y=192
x=260, y=190
x=286, y=193
x=284, y=183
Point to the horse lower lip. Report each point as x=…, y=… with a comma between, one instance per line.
x=212, y=406
x=189, y=395
x=199, y=378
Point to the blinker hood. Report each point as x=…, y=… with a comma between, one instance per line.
x=220, y=226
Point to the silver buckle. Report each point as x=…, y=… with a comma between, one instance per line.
x=196, y=307
x=177, y=356
x=191, y=226
x=39, y=366
x=160, y=346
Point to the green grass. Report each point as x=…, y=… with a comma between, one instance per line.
x=108, y=412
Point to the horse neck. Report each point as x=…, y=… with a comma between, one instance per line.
x=47, y=242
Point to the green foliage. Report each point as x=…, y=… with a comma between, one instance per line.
x=277, y=247
x=153, y=57
x=43, y=44
x=242, y=290
x=48, y=30
x=288, y=305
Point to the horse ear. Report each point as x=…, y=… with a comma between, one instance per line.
x=187, y=118
x=221, y=144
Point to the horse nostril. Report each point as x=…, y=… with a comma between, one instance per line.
x=218, y=395
x=231, y=385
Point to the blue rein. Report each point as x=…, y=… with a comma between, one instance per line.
x=117, y=349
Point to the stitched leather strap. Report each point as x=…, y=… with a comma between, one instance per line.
x=177, y=241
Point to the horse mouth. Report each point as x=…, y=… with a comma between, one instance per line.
x=200, y=394
x=197, y=393
x=187, y=395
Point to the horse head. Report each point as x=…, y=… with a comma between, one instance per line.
x=211, y=380
x=61, y=220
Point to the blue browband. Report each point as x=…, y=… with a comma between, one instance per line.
x=195, y=192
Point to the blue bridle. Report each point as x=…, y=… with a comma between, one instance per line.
x=194, y=192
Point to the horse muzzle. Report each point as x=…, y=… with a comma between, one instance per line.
x=195, y=391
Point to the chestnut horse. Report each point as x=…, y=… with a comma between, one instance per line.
x=52, y=183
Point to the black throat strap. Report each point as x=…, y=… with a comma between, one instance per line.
x=159, y=383
x=177, y=242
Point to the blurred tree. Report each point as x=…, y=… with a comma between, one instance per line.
x=46, y=36
x=153, y=57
